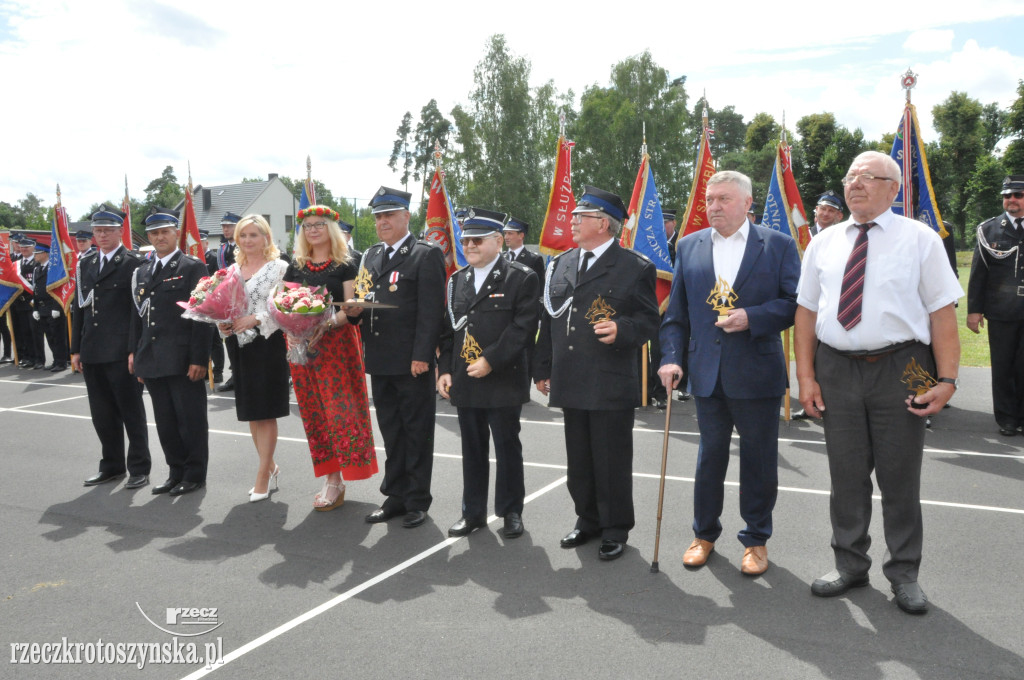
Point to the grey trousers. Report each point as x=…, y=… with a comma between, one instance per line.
x=868, y=428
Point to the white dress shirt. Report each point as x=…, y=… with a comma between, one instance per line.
x=480, y=273
x=728, y=252
x=907, y=277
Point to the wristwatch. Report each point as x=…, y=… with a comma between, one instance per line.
x=955, y=382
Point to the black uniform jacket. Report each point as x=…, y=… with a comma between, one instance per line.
x=103, y=308
x=500, y=323
x=584, y=372
x=413, y=279
x=996, y=286
x=533, y=261
x=164, y=343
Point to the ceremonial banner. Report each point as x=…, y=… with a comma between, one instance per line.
x=644, y=230
x=11, y=284
x=307, y=196
x=60, y=282
x=442, y=229
x=783, y=209
x=188, y=228
x=556, y=234
x=695, y=217
x=126, y=228
x=916, y=198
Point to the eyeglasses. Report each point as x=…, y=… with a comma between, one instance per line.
x=864, y=177
x=579, y=217
x=314, y=226
x=475, y=240
x=1015, y=194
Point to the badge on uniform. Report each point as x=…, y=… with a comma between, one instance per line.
x=363, y=283
x=918, y=380
x=599, y=311
x=393, y=280
x=471, y=350
x=722, y=298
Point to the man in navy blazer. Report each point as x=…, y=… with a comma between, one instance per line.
x=735, y=366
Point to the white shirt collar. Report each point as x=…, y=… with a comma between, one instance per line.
x=165, y=260
x=742, y=233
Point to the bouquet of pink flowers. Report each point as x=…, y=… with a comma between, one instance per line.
x=220, y=298
x=300, y=312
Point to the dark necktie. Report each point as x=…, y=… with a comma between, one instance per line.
x=852, y=293
x=1020, y=227
x=387, y=253
x=587, y=257
x=509, y=256
x=103, y=263
x=159, y=268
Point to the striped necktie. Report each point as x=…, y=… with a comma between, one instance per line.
x=852, y=293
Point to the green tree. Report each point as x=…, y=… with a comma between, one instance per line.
x=162, y=192
x=730, y=130
x=982, y=195
x=958, y=121
x=816, y=132
x=432, y=127
x=836, y=160
x=1013, y=157
x=610, y=130
x=761, y=132
x=993, y=122
x=400, y=150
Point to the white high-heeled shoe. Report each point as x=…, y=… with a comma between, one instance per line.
x=253, y=496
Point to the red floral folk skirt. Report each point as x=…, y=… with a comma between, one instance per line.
x=331, y=391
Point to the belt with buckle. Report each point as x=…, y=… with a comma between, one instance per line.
x=872, y=355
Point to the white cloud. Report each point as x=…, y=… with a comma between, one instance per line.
x=929, y=41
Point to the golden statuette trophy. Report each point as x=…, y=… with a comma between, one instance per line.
x=471, y=350
x=722, y=298
x=918, y=380
x=364, y=296
x=599, y=311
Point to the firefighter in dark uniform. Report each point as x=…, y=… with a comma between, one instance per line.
x=995, y=293
x=515, y=231
x=216, y=343
x=100, y=349
x=225, y=258
x=171, y=354
x=599, y=308
x=347, y=230
x=490, y=322
x=21, y=308
x=48, y=315
x=400, y=346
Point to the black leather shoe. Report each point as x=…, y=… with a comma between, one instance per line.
x=464, y=527
x=910, y=598
x=513, y=525
x=102, y=478
x=228, y=385
x=166, y=486
x=1007, y=431
x=39, y=367
x=685, y=396
x=6, y=360
x=659, y=404
x=835, y=583
x=186, y=487
x=25, y=364
x=800, y=415
x=610, y=550
x=575, y=538
x=414, y=518
x=218, y=377
x=136, y=481
x=382, y=514
x=57, y=368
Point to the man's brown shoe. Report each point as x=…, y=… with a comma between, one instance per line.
x=755, y=560
x=698, y=552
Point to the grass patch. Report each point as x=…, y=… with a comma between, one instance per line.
x=973, y=347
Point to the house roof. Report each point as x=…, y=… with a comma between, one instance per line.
x=225, y=198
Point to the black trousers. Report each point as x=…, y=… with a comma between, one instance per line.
x=22, y=320
x=115, y=403
x=599, y=448
x=476, y=427
x=868, y=428
x=1006, y=345
x=217, y=353
x=179, y=406
x=56, y=331
x=5, y=336
x=406, y=407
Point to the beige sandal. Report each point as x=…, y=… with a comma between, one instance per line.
x=320, y=502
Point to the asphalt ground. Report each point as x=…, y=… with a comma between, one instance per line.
x=302, y=594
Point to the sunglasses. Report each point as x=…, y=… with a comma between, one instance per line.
x=1015, y=194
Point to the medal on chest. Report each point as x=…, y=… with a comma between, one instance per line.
x=393, y=280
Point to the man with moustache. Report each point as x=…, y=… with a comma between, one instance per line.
x=735, y=365
x=995, y=293
x=599, y=308
x=829, y=211
x=875, y=301
x=100, y=348
x=400, y=345
x=490, y=323
x=170, y=354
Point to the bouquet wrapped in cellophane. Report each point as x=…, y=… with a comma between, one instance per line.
x=219, y=298
x=301, y=312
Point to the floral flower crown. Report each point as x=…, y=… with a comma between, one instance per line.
x=320, y=211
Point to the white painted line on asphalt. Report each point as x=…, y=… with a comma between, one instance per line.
x=44, y=403
x=348, y=594
x=41, y=384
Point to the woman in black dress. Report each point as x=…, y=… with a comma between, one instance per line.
x=257, y=348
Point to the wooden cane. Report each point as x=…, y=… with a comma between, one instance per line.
x=786, y=399
x=661, y=486
x=209, y=372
